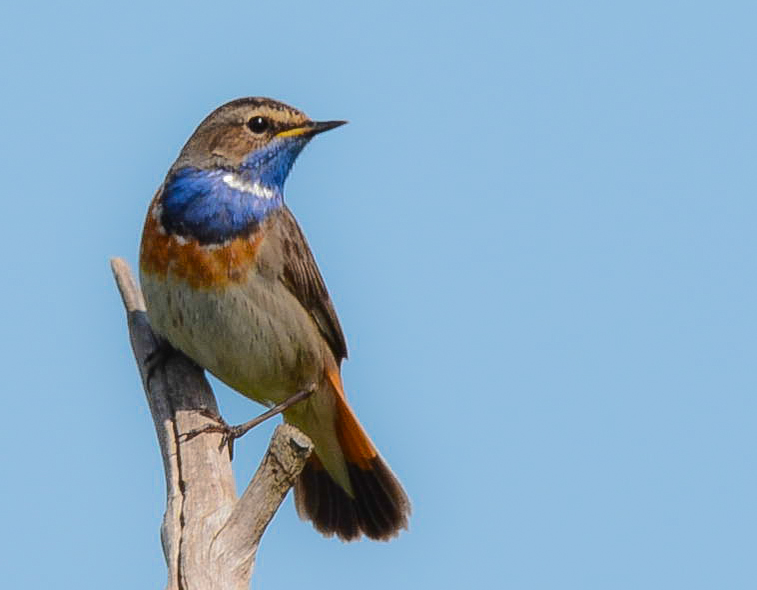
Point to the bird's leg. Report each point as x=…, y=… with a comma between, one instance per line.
x=231, y=433
x=158, y=358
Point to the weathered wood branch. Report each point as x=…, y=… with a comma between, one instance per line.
x=209, y=537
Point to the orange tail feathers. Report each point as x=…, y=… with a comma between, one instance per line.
x=378, y=506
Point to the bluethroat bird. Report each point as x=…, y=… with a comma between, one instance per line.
x=230, y=281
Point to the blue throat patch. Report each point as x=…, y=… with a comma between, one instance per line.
x=218, y=204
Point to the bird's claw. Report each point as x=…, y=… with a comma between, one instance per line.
x=231, y=433
x=228, y=433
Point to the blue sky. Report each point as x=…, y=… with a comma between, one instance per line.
x=538, y=231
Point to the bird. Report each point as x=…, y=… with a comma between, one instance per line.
x=230, y=281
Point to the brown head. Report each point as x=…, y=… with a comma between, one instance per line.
x=229, y=135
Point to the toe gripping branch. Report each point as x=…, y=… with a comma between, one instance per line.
x=232, y=433
x=158, y=358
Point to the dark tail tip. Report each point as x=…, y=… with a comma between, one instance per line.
x=379, y=510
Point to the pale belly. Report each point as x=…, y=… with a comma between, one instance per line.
x=255, y=337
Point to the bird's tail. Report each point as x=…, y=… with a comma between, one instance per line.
x=369, y=500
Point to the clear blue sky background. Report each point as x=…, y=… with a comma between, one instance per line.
x=539, y=233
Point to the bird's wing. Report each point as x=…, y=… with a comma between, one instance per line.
x=302, y=278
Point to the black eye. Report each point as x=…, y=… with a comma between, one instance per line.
x=258, y=124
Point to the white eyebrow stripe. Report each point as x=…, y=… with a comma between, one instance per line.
x=254, y=188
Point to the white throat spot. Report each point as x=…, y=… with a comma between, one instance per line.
x=254, y=188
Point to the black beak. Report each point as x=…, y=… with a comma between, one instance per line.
x=310, y=129
x=321, y=126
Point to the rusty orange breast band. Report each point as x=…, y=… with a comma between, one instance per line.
x=201, y=266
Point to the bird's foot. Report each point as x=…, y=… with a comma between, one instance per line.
x=231, y=433
x=228, y=433
x=158, y=358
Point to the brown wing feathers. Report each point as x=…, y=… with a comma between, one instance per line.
x=378, y=506
x=301, y=276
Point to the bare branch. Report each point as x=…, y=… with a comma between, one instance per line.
x=209, y=538
x=239, y=539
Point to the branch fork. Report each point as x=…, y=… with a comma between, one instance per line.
x=210, y=537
